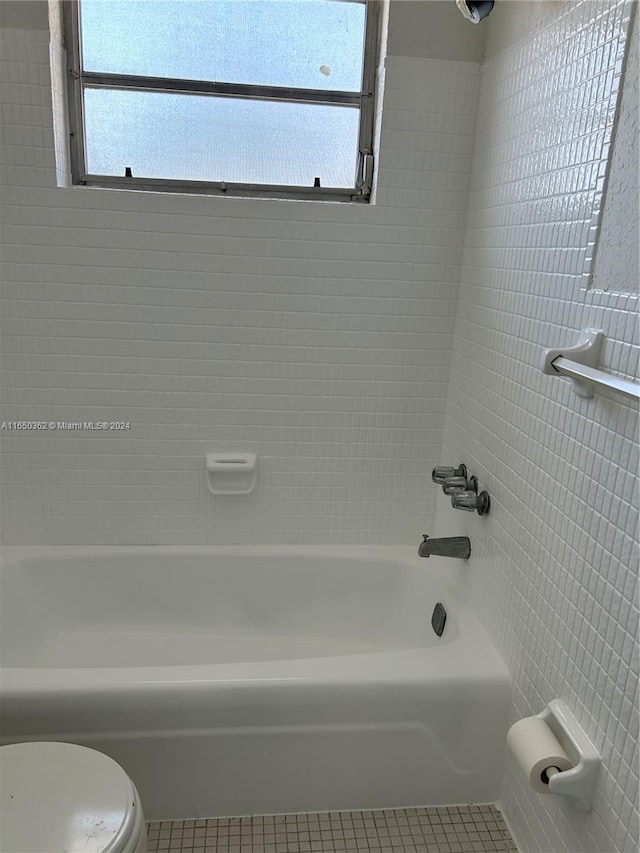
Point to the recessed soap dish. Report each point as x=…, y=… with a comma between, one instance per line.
x=231, y=473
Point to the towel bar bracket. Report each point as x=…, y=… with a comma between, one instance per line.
x=580, y=364
x=587, y=351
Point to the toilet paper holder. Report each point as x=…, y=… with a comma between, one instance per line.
x=579, y=782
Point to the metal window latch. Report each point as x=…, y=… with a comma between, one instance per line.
x=365, y=179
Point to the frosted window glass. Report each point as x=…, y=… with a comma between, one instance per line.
x=317, y=44
x=204, y=138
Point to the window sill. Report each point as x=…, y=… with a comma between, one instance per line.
x=222, y=189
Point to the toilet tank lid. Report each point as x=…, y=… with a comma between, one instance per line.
x=60, y=796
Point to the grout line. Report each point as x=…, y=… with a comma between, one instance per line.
x=442, y=829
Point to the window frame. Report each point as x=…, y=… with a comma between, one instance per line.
x=78, y=80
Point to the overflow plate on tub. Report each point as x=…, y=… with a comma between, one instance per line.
x=438, y=619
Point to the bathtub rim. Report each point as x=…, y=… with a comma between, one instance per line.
x=443, y=663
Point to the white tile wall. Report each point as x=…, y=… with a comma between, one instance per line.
x=317, y=335
x=554, y=569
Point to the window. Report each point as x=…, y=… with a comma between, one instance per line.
x=240, y=97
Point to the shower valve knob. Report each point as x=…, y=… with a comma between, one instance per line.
x=471, y=502
x=459, y=484
x=464, y=500
x=443, y=472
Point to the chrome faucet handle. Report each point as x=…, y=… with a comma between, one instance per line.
x=459, y=484
x=471, y=502
x=442, y=472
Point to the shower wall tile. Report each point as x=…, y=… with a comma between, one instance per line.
x=316, y=335
x=554, y=568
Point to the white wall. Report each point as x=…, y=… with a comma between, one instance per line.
x=616, y=260
x=434, y=29
x=317, y=335
x=554, y=566
x=24, y=14
x=320, y=336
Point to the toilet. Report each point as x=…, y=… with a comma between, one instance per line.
x=59, y=797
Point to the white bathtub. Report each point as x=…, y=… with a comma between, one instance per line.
x=237, y=680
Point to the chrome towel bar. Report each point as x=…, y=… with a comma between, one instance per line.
x=579, y=364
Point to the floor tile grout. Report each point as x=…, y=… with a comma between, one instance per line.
x=450, y=829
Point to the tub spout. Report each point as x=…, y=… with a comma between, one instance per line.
x=453, y=546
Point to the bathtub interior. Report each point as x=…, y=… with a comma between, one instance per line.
x=130, y=608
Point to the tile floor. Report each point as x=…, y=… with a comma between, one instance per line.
x=451, y=829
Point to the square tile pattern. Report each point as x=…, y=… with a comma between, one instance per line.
x=554, y=574
x=315, y=335
x=322, y=338
x=451, y=829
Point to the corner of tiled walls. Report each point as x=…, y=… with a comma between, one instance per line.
x=316, y=335
x=320, y=337
x=554, y=569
